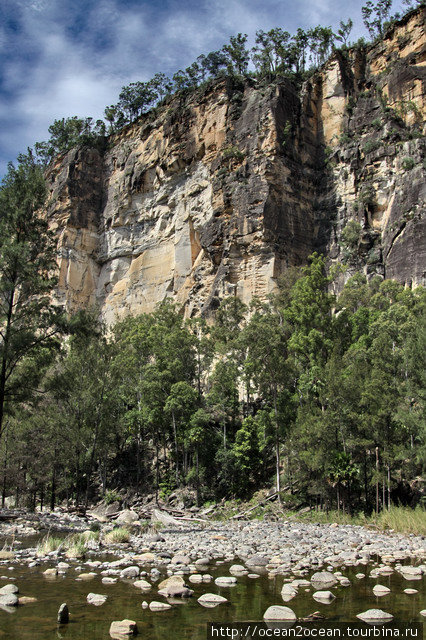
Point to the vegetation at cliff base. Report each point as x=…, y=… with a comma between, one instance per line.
x=317, y=394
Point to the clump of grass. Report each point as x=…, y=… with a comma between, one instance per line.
x=76, y=544
x=403, y=520
x=324, y=517
x=48, y=544
x=76, y=550
x=116, y=536
x=89, y=535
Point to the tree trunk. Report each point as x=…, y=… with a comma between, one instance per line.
x=197, y=476
x=5, y=354
x=277, y=447
x=176, y=449
x=377, y=480
x=53, y=489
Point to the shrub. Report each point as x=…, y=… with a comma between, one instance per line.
x=232, y=153
x=111, y=496
x=351, y=233
x=371, y=145
x=408, y=164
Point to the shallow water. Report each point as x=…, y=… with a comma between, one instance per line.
x=187, y=619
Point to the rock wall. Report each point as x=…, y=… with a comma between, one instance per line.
x=220, y=191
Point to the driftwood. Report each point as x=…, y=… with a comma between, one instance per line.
x=9, y=515
x=167, y=519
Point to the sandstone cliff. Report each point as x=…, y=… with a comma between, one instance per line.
x=220, y=191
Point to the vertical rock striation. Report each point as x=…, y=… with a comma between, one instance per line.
x=218, y=192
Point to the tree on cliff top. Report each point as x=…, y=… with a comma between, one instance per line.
x=375, y=15
x=27, y=259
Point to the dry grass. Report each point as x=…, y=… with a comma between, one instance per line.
x=399, y=519
x=403, y=520
x=117, y=536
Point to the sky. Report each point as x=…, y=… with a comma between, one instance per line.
x=60, y=58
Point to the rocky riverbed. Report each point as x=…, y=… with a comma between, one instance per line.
x=207, y=563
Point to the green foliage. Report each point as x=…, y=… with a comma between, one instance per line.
x=237, y=54
x=117, y=536
x=344, y=31
x=276, y=53
x=232, y=153
x=371, y=145
x=375, y=15
x=408, y=164
x=27, y=261
x=68, y=133
x=111, y=495
x=351, y=234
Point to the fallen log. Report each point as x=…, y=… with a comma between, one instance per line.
x=167, y=519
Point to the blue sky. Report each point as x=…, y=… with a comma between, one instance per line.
x=60, y=58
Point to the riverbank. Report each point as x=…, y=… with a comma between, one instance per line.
x=242, y=568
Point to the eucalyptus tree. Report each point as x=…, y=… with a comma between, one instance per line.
x=29, y=323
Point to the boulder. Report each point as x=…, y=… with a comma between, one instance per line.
x=26, y=600
x=226, y=581
x=8, y=588
x=179, y=559
x=142, y=584
x=96, y=599
x=63, y=616
x=9, y=600
x=412, y=573
x=323, y=579
x=257, y=561
x=375, y=616
x=127, y=517
x=120, y=628
x=380, y=590
x=211, y=598
x=175, y=591
x=145, y=558
x=323, y=596
x=288, y=592
x=196, y=578
x=173, y=580
x=279, y=613
x=238, y=569
x=159, y=606
x=130, y=572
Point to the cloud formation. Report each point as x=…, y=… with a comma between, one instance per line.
x=71, y=57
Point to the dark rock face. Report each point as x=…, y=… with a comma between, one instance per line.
x=228, y=187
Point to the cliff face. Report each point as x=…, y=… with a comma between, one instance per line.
x=226, y=188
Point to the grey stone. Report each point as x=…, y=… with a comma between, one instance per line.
x=63, y=614
x=279, y=613
x=375, y=615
